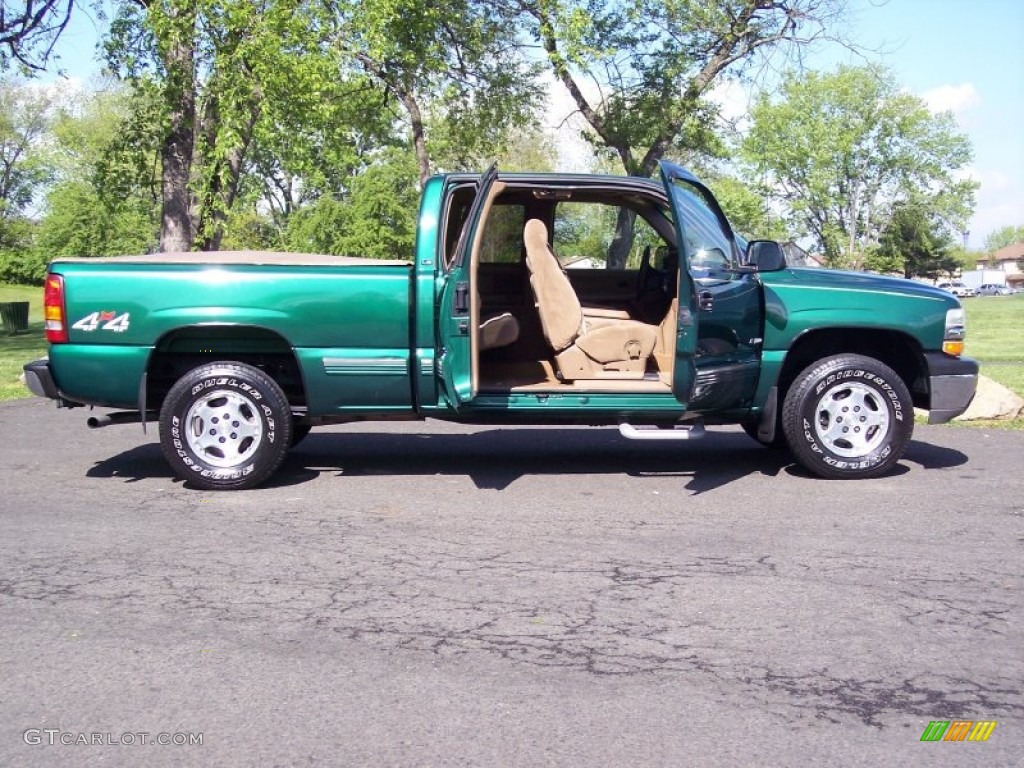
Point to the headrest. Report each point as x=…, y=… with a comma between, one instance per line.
x=535, y=235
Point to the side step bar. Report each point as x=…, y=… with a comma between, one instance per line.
x=693, y=431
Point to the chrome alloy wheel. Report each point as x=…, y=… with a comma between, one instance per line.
x=851, y=419
x=223, y=428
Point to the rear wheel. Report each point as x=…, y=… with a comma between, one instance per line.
x=225, y=426
x=848, y=416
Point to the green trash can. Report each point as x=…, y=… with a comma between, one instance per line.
x=14, y=316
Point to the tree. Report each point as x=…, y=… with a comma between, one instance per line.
x=526, y=149
x=915, y=243
x=654, y=63
x=286, y=100
x=748, y=212
x=376, y=219
x=316, y=142
x=1003, y=237
x=79, y=222
x=29, y=29
x=454, y=69
x=86, y=196
x=26, y=115
x=102, y=202
x=223, y=71
x=843, y=151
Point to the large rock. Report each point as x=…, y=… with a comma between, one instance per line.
x=993, y=401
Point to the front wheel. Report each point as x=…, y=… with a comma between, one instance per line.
x=848, y=416
x=225, y=426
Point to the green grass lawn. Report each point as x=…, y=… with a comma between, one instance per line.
x=995, y=336
x=22, y=347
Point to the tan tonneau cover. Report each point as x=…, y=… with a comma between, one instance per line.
x=216, y=258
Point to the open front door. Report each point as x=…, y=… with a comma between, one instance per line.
x=684, y=374
x=458, y=315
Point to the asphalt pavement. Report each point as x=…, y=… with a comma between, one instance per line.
x=426, y=594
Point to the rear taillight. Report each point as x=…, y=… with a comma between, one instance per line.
x=53, y=310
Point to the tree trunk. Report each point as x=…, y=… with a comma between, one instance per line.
x=224, y=200
x=219, y=199
x=176, y=231
x=403, y=91
x=622, y=241
x=854, y=215
x=419, y=140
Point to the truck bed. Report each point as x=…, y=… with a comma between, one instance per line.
x=215, y=258
x=340, y=324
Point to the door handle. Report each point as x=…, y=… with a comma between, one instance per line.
x=461, y=306
x=706, y=301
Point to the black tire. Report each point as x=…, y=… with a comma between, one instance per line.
x=239, y=448
x=848, y=417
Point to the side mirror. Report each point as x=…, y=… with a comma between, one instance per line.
x=766, y=256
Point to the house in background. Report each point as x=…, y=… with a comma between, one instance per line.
x=583, y=262
x=1008, y=260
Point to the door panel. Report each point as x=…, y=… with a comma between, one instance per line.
x=684, y=374
x=459, y=307
x=729, y=341
x=731, y=311
x=731, y=315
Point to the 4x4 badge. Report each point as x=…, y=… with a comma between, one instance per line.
x=104, y=321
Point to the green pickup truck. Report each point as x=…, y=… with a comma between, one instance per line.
x=507, y=312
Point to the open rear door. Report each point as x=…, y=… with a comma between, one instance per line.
x=685, y=373
x=458, y=312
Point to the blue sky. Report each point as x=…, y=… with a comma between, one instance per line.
x=966, y=56
x=963, y=55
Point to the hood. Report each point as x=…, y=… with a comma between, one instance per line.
x=859, y=281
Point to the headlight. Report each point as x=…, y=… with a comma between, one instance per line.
x=956, y=330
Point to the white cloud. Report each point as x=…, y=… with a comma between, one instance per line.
x=996, y=209
x=999, y=201
x=952, y=98
x=733, y=98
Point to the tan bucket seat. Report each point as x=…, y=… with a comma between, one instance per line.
x=585, y=346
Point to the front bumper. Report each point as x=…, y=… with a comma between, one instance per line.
x=951, y=385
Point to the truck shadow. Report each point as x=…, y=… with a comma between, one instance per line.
x=493, y=459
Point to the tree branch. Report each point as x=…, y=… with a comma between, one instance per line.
x=36, y=23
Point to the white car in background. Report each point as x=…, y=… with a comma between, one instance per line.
x=956, y=288
x=994, y=289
